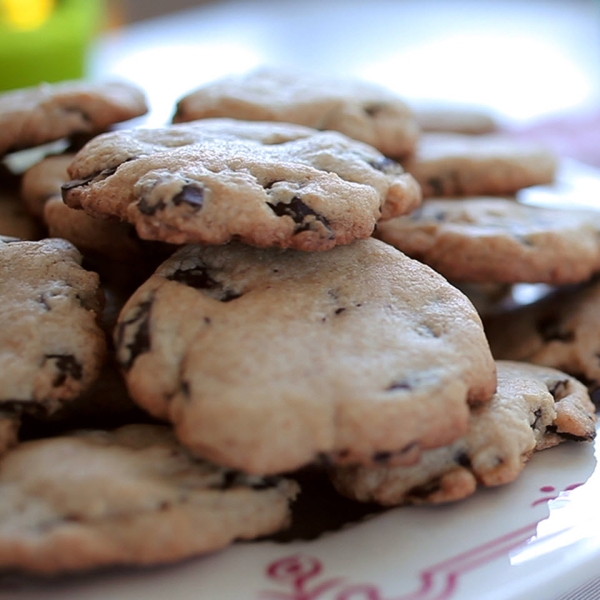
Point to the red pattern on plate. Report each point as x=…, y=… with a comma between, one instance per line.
x=299, y=573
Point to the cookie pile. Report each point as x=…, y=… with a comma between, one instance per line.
x=207, y=310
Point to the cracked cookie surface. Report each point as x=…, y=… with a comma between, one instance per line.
x=132, y=496
x=268, y=359
x=361, y=110
x=533, y=409
x=33, y=116
x=266, y=184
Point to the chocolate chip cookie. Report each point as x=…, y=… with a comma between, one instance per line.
x=110, y=244
x=268, y=359
x=266, y=184
x=129, y=496
x=33, y=116
x=498, y=240
x=447, y=164
x=533, y=409
x=51, y=346
x=363, y=111
x=562, y=330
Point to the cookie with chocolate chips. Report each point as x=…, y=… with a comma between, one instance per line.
x=266, y=184
x=51, y=346
x=267, y=359
x=452, y=164
x=362, y=110
x=562, y=330
x=107, y=239
x=498, y=240
x=534, y=408
x=33, y=116
x=131, y=496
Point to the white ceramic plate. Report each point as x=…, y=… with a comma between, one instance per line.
x=538, y=537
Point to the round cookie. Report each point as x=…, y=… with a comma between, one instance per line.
x=266, y=184
x=51, y=346
x=561, y=331
x=267, y=359
x=447, y=164
x=533, y=409
x=129, y=496
x=498, y=240
x=361, y=110
x=33, y=116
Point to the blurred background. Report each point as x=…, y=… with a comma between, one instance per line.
x=530, y=62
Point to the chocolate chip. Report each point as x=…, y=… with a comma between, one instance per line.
x=229, y=480
x=399, y=385
x=462, y=458
x=140, y=322
x=536, y=422
x=437, y=185
x=200, y=279
x=408, y=447
x=299, y=212
x=184, y=386
x=558, y=388
x=426, y=490
x=372, y=108
x=387, y=166
x=424, y=330
x=265, y=483
x=65, y=188
x=44, y=302
x=93, y=178
x=524, y=240
x=149, y=209
x=67, y=366
x=191, y=194
x=570, y=436
x=196, y=277
x=235, y=479
x=323, y=459
x=382, y=457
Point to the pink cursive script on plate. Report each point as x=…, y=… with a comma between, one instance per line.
x=301, y=574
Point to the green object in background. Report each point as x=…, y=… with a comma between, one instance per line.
x=54, y=50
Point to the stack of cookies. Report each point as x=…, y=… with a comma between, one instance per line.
x=209, y=312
